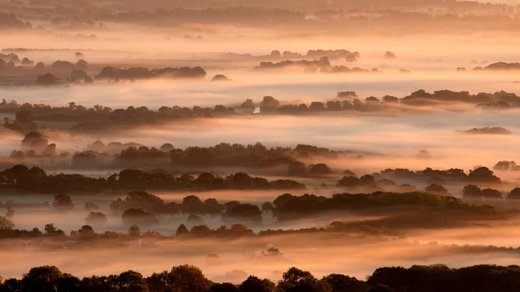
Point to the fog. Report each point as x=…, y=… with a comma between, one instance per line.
x=194, y=65
x=389, y=141
x=320, y=254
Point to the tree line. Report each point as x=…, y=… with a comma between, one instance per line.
x=187, y=278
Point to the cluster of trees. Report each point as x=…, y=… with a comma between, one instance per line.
x=479, y=175
x=288, y=206
x=197, y=231
x=234, y=212
x=474, y=192
x=400, y=15
x=113, y=73
x=187, y=278
x=346, y=55
x=10, y=63
x=488, y=131
x=183, y=278
x=506, y=165
x=87, y=232
x=283, y=161
x=220, y=155
x=135, y=179
x=141, y=208
x=29, y=72
x=65, y=71
x=223, y=154
x=322, y=65
x=36, y=179
x=369, y=183
x=499, y=99
x=35, y=143
x=442, y=278
x=415, y=210
x=7, y=230
x=100, y=117
x=501, y=66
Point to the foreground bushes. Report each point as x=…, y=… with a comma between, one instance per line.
x=186, y=278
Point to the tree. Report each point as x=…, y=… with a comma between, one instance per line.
x=34, y=138
x=182, y=230
x=46, y=79
x=158, y=281
x=44, y=279
x=514, y=194
x=141, y=200
x=491, y=193
x=200, y=230
x=471, y=191
x=6, y=224
x=269, y=104
x=297, y=280
x=62, y=202
x=81, y=64
x=138, y=216
x=319, y=169
x=248, y=106
x=192, y=204
x=51, y=230
x=340, y=282
x=128, y=281
x=389, y=55
x=254, y=284
x=76, y=75
x=11, y=285
x=483, y=175
x=187, y=278
x=243, y=212
x=220, y=77
x=86, y=231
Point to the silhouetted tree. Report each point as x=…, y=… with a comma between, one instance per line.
x=319, y=169
x=297, y=280
x=51, y=230
x=46, y=79
x=42, y=279
x=182, y=230
x=187, y=278
x=254, y=284
x=514, y=194
x=483, y=175
x=471, y=191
